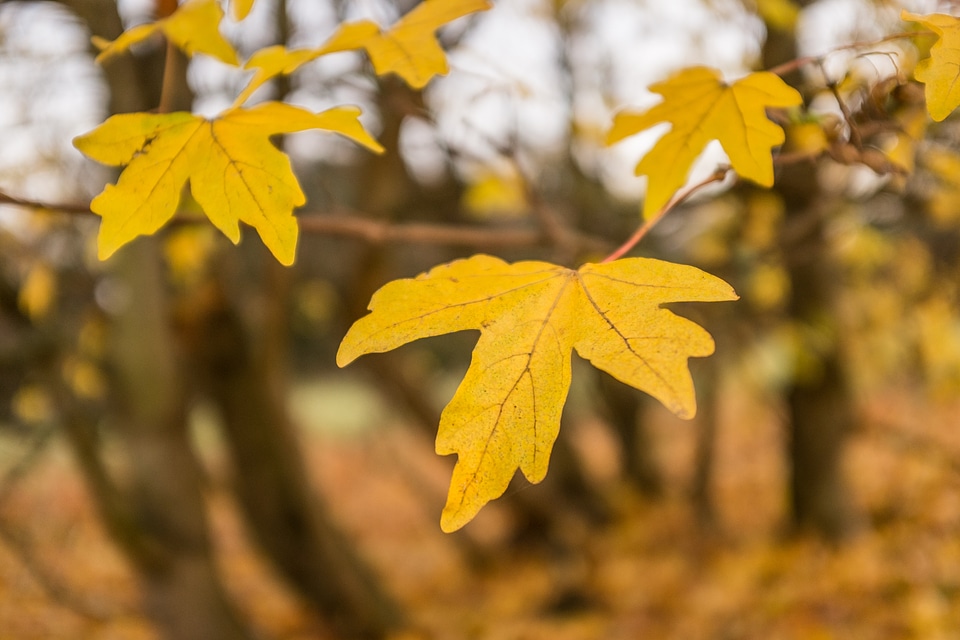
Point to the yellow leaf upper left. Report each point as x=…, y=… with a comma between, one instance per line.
x=701, y=108
x=235, y=173
x=194, y=27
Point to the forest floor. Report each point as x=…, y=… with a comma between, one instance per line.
x=653, y=572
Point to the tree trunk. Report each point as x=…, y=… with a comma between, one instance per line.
x=158, y=519
x=182, y=590
x=623, y=405
x=243, y=364
x=820, y=405
x=701, y=492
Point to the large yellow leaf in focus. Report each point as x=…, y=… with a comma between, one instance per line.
x=506, y=413
x=701, y=108
x=235, y=173
x=940, y=73
x=194, y=27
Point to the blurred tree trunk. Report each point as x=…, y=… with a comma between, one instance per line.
x=158, y=519
x=820, y=406
x=623, y=405
x=242, y=349
x=243, y=359
x=183, y=592
x=706, y=375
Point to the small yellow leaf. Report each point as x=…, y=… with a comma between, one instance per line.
x=496, y=195
x=409, y=48
x=944, y=196
x=235, y=174
x=32, y=404
x=901, y=148
x=506, y=413
x=240, y=8
x=807, y=138
x=84, y=378
x=701, y=108
x=38, y=292
x=779, y=14
x=940, y=73
x=278, y=60
x=194, y=27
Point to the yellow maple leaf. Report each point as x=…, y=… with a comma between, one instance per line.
x=194, y=27
x=240, y=8
x=409, y=48
x=38, y=292
x=701, y=108
x=235, y=174
x=940, y=73
x=276, y=60
x=506, y=413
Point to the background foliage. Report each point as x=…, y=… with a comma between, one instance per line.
x=238, y=486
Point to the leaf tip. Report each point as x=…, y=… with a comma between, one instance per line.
x=345, y=354
x=452, y=520
x=105, y=249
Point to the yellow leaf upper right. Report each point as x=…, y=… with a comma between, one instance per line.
x=701, y=107
x=940, y=73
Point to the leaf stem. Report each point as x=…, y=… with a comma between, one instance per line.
x=717, y=176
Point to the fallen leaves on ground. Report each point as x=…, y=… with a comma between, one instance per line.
x=652, y=573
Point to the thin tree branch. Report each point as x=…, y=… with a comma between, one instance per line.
x=354, y=225
x=377, y=232
x=796, y=63
x=69, y=208
x=718, y=175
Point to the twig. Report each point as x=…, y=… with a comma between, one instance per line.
x=855, y=137
x=376, y=232
x=355, y=225
x=70, y=208
x=796, y=63
x=717, y=176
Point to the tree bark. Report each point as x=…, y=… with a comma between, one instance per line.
x=245, y=370
x=623, y=405
x=158, y=517
x=820, y=406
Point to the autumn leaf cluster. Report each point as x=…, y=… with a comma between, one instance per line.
x=531, y=315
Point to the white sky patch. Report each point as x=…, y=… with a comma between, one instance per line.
x=52, y=93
